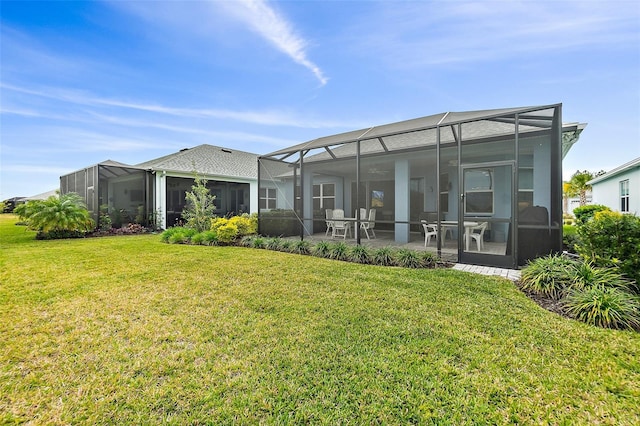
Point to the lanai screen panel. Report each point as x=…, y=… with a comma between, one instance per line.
x=278, y=215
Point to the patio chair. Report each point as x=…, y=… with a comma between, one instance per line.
x=429, y=231
x=477, y=234
x=340, y=227
x=369, y=224
x=328, y=214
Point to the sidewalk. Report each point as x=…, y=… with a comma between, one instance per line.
x=511, y=274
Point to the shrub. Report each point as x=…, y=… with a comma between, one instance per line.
x=585, y=213
x=549, y=276
x=258, y=242
x=428, y=259
x=408, y=258
x=359, y=254
x=585, y=275
x=285, y=246
x=59, y=216
x=197, y=239
x=247, y=225
x=209, y=238
x=383, y=256
x=225, y=229
x=611, y=239
x=338, y=251
x=322, y=249
x=301, y=247
x=273, y=243
x=177, y=235
x=247, y=240
x=569, y=238
x=200, y=206
x=601, y=306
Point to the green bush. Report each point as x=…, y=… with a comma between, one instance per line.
x=548, y=276
x=612, y=239
x=209, y=238
x=602, y=306
x=301, y=247
x=321, y=249
x=584, y=275
x=338, y=251
x=408, y=258
x=58, y=216
x=383, y=256
x=359, y=254
x=585, y=213
x=429, y=260
x=177, y=235
x=258, y=242
x=273, y=243
x=569, y=237
x=197, y=239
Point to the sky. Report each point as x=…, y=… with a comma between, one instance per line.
x=82, y=82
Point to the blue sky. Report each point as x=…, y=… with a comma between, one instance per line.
x=83, y=82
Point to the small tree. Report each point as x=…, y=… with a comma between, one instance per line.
x=577, y=185
x=57, y=215
x=200, y=206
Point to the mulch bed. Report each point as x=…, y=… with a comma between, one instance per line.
x=547, y=303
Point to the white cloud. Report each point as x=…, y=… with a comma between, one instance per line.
x=269, y=118
x=271, y=25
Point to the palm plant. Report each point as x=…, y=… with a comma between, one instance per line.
x=57, y=214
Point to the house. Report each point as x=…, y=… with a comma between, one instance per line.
x=619, y=189
x=498, y=171
x=154, y=191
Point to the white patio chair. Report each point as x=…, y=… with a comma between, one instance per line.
x=328, y=214
x=369, y=224
x=340, y=227
x=429, y=231
x=477, y=234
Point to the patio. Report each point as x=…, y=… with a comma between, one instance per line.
x=454, y=170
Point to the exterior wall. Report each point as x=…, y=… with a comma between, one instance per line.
x=607, y=192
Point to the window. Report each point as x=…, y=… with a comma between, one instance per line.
x=267, y=198
x=324, y=196
x=478, y=191
x=624, y=196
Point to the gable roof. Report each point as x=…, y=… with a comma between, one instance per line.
x=207, y=160
x=618, y=170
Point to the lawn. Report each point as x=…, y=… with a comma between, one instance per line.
x=122, y=330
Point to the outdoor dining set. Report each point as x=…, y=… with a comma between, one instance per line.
x=341, y=226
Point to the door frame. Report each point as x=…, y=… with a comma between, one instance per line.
x=506, y=260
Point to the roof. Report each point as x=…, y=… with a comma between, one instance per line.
x=207, y=160
x=42, y=196
x=617, y=171
x=421, y=131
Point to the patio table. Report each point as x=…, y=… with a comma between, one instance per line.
x=452, y=224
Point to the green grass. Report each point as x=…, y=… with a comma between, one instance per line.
x=130, y=330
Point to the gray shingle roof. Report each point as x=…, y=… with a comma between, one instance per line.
x=208, y=160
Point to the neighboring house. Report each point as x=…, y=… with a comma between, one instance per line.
x=11, y=203
x=619, y=189
x=154, y=191
x=498, y=169
x=571, y=203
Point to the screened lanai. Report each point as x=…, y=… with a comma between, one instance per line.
x=487, y=185
x=124, y=192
